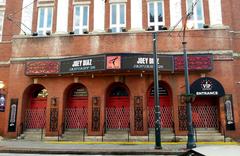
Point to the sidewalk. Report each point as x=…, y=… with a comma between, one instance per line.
x=91, y=148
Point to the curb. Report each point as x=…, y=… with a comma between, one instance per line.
x=92, y=151
x=140, y=143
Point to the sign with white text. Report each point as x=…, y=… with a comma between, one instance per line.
x=82, y=64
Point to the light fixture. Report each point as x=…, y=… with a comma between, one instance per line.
x=2, y=85
x=162, y=27
x=205, y=26
x=123, y=29
x=48, y=33
x=150, y=28
x=35, y=34
x=71, y=33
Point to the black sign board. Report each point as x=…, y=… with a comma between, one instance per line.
x=13, y=115
x=82, y=64
x=230, y=124
x=146, y=62
x=2, y=102
x=207, y=86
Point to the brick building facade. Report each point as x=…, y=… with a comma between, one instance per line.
x=88, y=64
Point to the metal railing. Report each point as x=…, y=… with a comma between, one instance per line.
x=62, y=127
x=84, y=132
x=128, y=131
x=103, y=130
x=195, y=131
x=224, y=133
x=148, y=131
x=174, y=132
x=20, y=129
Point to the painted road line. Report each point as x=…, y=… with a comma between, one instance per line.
x=141, y=143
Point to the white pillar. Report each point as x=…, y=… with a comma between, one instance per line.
x=99, y=14
x=27, y=17
x=175, y=13
x=136, y=15
x=215, y=12
x=62, y=17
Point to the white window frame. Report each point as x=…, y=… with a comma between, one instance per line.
x=1, y=23
x=193, y=22
x=81, y=27
x=118, y=26
x=156, y=23
x=45, y=28
x=2, y=2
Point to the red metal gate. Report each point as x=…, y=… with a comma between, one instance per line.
x=118, y=112
x=205, y=112
x=165, y=110
x=76, y=113
x=35, y=116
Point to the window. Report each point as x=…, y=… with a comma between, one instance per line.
x=2, y=2
x=117, y=17
x=80, y=21
x=45, y=15
x=1, y=24
x=156, y=15
x=197, y=18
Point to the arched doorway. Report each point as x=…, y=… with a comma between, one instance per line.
x=165, y=97
x=205, y=108
x=205, y=112
x=117, y=107
x=35, y=112
x=76, y=109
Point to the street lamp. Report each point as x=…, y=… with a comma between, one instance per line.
x=191, y=141
x=1, y=85
x=156, y=95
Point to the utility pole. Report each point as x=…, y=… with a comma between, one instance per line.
x=156, y=95
x=188, y=97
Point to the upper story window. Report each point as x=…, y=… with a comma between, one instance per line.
x=2, y=2
x=156, y=15
x=117, y=17
x=45, y=18
x=197, y=18
x=1, y=23
x=81, y=21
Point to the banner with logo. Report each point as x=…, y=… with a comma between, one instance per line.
x=12, y=123
x=207, y=86
x=229, y=113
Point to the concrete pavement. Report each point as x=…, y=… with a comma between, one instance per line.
x=98, y=148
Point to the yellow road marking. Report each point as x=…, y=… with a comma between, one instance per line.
x=141, y=143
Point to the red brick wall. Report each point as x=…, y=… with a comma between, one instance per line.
x=4, y=72
x=201, y=40
x=5, y=51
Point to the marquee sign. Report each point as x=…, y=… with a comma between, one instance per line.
x=146, y=62
x=82, y=64
x=207, y=87
x=119, y=61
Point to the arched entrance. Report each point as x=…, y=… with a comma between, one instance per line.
x=117, y=107
x=205, y=112
x=205, y=108
x=35, y=111
x=76, y=109
x=165, y=97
